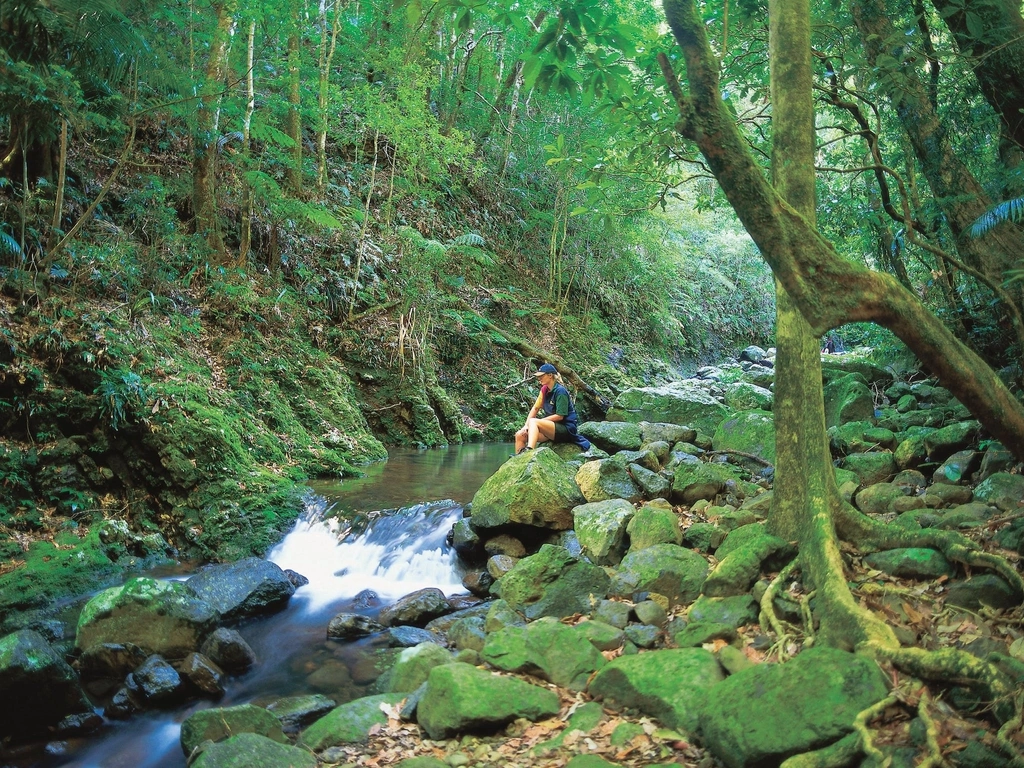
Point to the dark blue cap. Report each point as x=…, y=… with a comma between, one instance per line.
x=547, y=368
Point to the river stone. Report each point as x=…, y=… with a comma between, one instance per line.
x=352, y=626
x=750, y=432
x=645, y=457
x=680, y=403
x=468, y=633
x=109, y=660
x=1002, y=490
x=957, y=469
x=37, y=687
x=220, y=723
x=740, y=537
x=613, y=436
x=606, y=479
x=348, y=723
x=642, y=635
x=545, y=648
x=912, y=452
x=499, y=565
x=995, y=459
x=665, y=569
x=694, y=635
x=602, y=636
x=461, y=698
x=442, y=625
x=704, y=537
x=504, y=544
x=535, y=488
x=871, y=468
x=694, y=482
x=247, y=750
x=670, y=685
x=878, y=499
x=465, y=540
x=228, y=650
x=615, y=613
x=740, y=565
x=911, y=563
x=944, y=442
x=652, y=484
x=837, y=365
x=406, y=637
x=553, y=583
x=296, y=712
x=416, y=609
x=156, y=683
x=652, y=525
x=248, y=587
x=650, y=612
x=163, y=617
x=967, y=515
x=413, y=666
x=735, y=611
x=950, y=494
x=501, y=615
x=660, y=432
x=203, y=674
x=847, y=398
x=601, y=528
x=744, y=396
x=985, y=589
x=764, y=714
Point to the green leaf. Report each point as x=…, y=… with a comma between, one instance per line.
x=975, y=25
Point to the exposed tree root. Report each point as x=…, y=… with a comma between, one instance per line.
x=934, y=757
x=767, y=614
x=1009, y=727
x=838, y=755
x=860, y=726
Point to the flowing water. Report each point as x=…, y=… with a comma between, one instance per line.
x=388, y=537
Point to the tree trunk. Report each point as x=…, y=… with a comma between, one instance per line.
x=245, y=235
x=328, y=42
x=293, y=173
x=828, y=289
x=204, y=175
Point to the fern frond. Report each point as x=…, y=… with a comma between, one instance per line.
x=1008, y=210
x=9, y=245
x=469, y=238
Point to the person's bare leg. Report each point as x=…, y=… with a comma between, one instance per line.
x=521, y=436
x=540, y=431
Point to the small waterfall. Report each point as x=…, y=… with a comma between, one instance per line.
x=400, y=551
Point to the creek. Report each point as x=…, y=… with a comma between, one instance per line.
x=388, y=537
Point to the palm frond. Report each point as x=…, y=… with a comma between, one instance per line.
x=1008, y=210
x=9, y=245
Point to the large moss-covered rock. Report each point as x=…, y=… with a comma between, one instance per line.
x=944, y=442
x=244, y=588
x=416, y=609
x=163, y=617
x=413, y=665
x=733, y=611
x=670, y=685
x=535, y=488
x=847, y=398
x=612, y=436
x=693, y=482
x=552, y=583
x=1001, y=490
x=460, y=698
x=652, y=525
x=296, y=712
x=37, y=687
x=871, y=468
x=665, y=569
x=912, y=451
x=740, y=564
x=677, y=403
x=750, y=432
x=249, y=750
x=606, y=479
x=744, y=396
x=350, y=723
x=221, y=723
x=766, y=713
x=601, y=529
x=546, y=648
x=911, y=563
x=659, y=432
x=880, y=498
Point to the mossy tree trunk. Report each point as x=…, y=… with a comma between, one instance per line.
x=828, y=289
x=204, y=164
x=293, y=173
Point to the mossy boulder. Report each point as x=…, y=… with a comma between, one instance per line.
x=660, y=432
x=37, y=687
x=946, y=441
x=349, y=723
x=652, y=484
x=535, y=488
x=545, y=648
x=741, y=563
x=744, y=396
x=912, y=451
x=247, y=750
x=606, y=479
x=670, y=685
x=1001, y=490
x=734, y=611
x=552, y=583
x=296, y=712
x=870, y=468
x=162, y=617
x=413, y=665
x=416, y=609
x=911, y=563
x=847, y=398
x=679, y=403
x=222, y=722
x=693, y=482
x=665, y=569
x=652, y=525
x=750, y=432
x=768, y=712
x=247, y=587
x=612, y=436
x=880, y=498
x=601, y=529
x=460, y=698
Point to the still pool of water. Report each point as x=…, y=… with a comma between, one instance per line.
x=408, y=505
